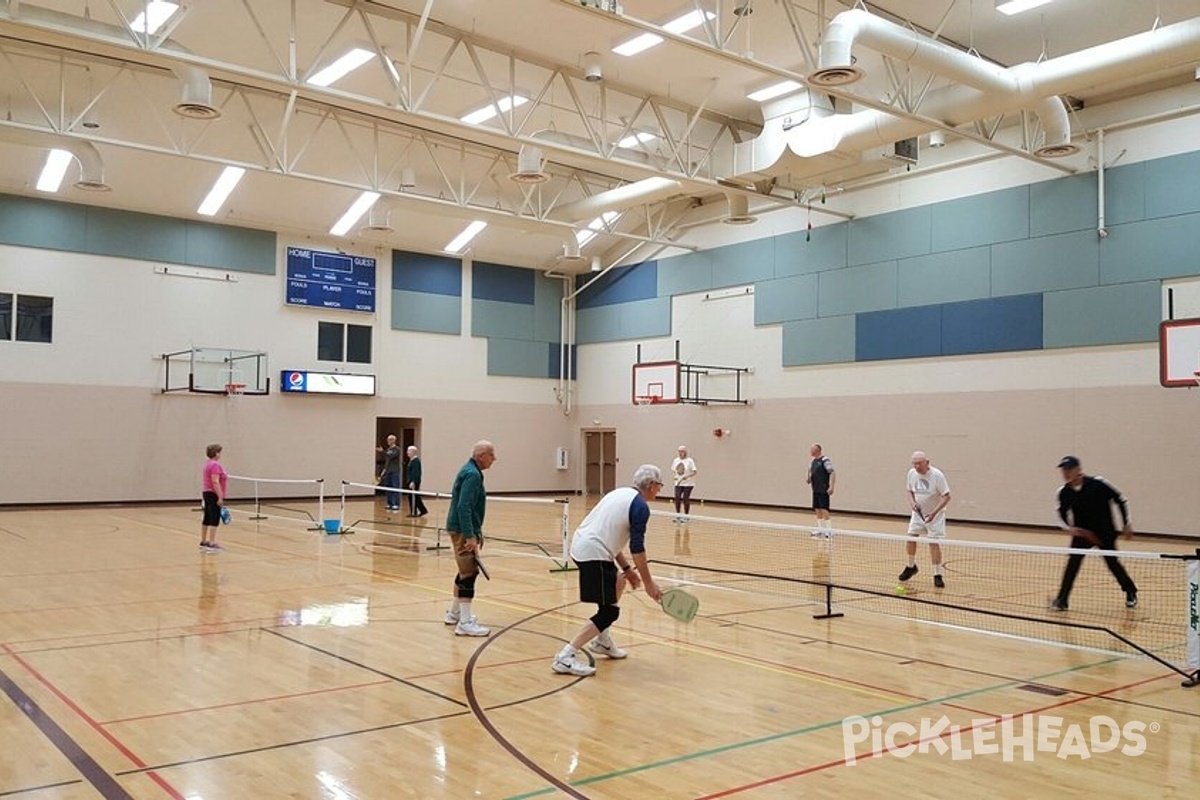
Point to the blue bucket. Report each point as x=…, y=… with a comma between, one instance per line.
x=333, y=525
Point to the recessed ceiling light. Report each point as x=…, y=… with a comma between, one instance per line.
x=154, y=15
x=53, y=172
x=605, y=220
x=463, y=239
x=343, y=66
x=773, y=91
x=692, y=19
x=677, y=26
x=1011, y=7
x=354, y=213
x=219, y=193
x=633, y=139
x=487, y=112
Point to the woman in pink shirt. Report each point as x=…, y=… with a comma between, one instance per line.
x=212, y=485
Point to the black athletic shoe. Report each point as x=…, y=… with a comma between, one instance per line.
x=1131, y=599
x=908, y=573
x=938, y=582
x=1057, y=605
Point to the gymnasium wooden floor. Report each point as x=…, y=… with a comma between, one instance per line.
x=301, y=665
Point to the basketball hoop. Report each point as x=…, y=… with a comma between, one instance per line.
x=232, y=389
x=643, y=400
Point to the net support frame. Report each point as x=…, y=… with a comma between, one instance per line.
x=258, y=515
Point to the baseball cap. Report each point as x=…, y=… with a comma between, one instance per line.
x=1068, y=462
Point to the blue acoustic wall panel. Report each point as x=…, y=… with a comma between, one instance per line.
x=643, y=319
x=1173, y=185
x=506, y=320
x=898, y=333
x=1128, y=312
x=31, y=222
x=503, y=283
x=418, y=272
x=685, y=274
x=785, y=299
x=1124, y=195
x=119, y=233
x=847, y=291
x=898, y=234
x=818, y=341
x=998, y=325
x=227, y=247
x=1155, y=248
x=430, y=313
x=1065, y=261
x=805, y=252
x=746, y=262
x=944, y=277
x=621, y=285
x=547, y=309
x=1063, y=205
x=555, y=356
x=980, y=220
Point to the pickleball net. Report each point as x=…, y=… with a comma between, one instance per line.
x=999, y=588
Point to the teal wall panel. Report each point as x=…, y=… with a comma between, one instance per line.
x=899, y=234
x=1173, y=185
x=1156, y=248
x=1048, y=263
x=685, y=274
x=227, y=247
x=806, y=252
x=871, y=287
x=506, y=320
x=31, y=222
x=422, y=311
x=980, y=220
x=640, y=319
x=785, y=299
x=818, y=341
x=746, y=262
x=517, y=359
x=1129, y=312
x=141, y=236
x=1124, y=195
x=944, y=277
x=547, y=309
x=1063, y=205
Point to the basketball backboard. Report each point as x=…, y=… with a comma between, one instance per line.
x=658, y=380
x=1178, y=352
x=216, y=370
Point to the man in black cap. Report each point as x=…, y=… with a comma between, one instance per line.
x=1084, y=506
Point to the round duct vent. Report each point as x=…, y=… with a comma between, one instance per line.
x=196, y=110
x=1056, y=151
x=835, y=76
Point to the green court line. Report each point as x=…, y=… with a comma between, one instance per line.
x=810, y=729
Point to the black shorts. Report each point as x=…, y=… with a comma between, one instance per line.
x=212, y=511
x=597, y=582
x=821, y=500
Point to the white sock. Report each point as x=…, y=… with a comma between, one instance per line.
x=937, y=569
x=455, y=605
x=912, y=561
x=604, y=639
x=567, y=653
x=464, y=610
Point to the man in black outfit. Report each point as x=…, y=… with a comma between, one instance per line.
x=1084, y=506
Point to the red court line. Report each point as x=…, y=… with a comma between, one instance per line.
x=871, y=754
x=237, y=703
x=154, y=776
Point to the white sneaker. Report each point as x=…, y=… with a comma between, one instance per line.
x=470, y=627
x=451, y=617
x=572, y=666
x=607, y=649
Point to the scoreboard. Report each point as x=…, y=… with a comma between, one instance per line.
x=330, y=280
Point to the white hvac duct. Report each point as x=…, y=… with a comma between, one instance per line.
x=91, y=165
x=823, y=145
x=650, y=190
x=196, y=95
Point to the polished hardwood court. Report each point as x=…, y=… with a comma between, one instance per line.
x=296, y=664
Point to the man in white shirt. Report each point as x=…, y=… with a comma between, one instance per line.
x=928, y=496
x=683, y=469
x=619, y=519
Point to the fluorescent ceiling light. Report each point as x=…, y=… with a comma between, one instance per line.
x=601, y=222
x=633, y=139
x=677, y=26
x=1011, y=7
x=354, y=214
x=773, y=91
x=54, y=171
x=487, y=112
x=343, y=66
x=154, y=16
x=463, y=239
x=219, y=193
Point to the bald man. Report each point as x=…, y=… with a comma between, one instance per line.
x=928, y=496
x=468, y=502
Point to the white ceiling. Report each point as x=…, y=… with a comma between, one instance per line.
x=310, y=151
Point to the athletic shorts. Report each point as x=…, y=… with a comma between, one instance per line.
x=212, y=510
x=597, y=582
x=464, y=559
x=934, y=530
x=820, y=500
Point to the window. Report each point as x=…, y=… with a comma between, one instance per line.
x=339, y=342
x=33, y=320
